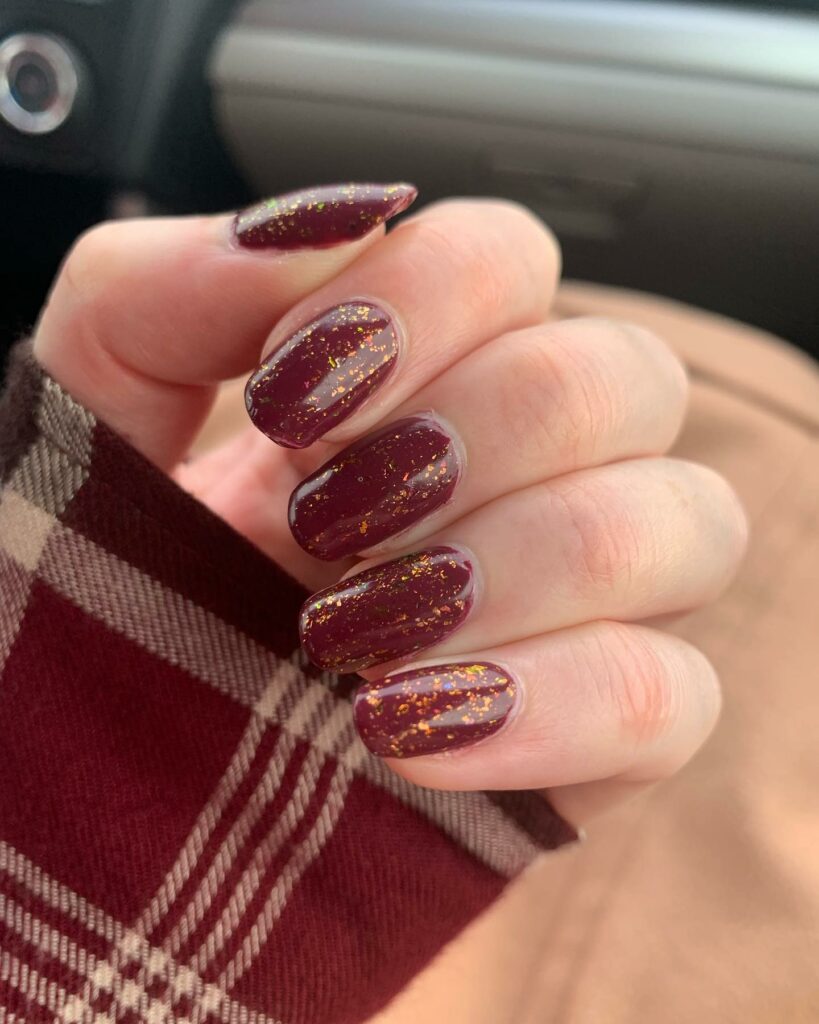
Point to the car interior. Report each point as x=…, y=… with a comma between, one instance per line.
x=673, y=147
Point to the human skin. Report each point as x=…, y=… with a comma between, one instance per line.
x=556, y=489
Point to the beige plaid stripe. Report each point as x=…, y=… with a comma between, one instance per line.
x=471, y=819
x=264, y=854
x=31, y=983
x=233, y=843
x=131, y=993
x=278, y=692
x=56, y=465
x=67, y=426
x=7, y=1017
x=47, y=939
x=101, y=975
x=24, y=530
x=311, y=709
x=203, y=829
x=236, y=838
x=17, y=582
x=316, y=711
x=302, y=857
x=285, y=825
x=155, y=616
x=53, y=894
x=44, y=481
x=47, y=477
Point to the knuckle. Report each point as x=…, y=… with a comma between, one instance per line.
x=648, y=351
x=539, y=257
x=702, y=687
x=529, y=399
x=530, y=228
x=483, y=284
x=657, y=357
x=505, y=259
x=603, y=540
x=86, y=303
x=553, y=398
x=89, y=260
x=630, y=355
x=590, y=395
x=741, y=523
x=721, y=517
x=632, y=337
x=590, y=392
x=639, y=684
x=731, y=509
x=427, y=237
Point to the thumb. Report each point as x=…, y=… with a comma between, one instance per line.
x=147, y=316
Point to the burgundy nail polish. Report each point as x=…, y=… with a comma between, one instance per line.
x=322, y=373
x=377, y=487
x=322, y=216
x=426, y=710
x=388, y=611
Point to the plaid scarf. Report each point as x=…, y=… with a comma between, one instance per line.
x=190, y=829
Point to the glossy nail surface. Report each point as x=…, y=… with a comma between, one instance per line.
x=322, y=216
x=322, y=373
x=377, y=487
x=427, y=710
x=388, y=611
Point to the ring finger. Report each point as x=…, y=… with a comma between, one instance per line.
x=626, y=541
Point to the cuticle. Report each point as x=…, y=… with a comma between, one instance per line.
x=520, y=698
x=455, y=438
x=478, y=579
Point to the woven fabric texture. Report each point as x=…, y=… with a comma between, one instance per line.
x=190, y=829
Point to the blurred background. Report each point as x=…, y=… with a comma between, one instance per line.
x=674, y=147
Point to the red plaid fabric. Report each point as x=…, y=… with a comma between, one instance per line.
x=190, y=829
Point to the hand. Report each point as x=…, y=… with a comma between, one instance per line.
x=502, y=476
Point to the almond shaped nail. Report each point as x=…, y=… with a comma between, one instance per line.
x=388, y=611
x=322, y=373
x=427, y=710
x=318, y=217
x=376, y=488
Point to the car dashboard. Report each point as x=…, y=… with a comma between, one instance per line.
x=673, y=147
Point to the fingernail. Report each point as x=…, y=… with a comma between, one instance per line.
x=388, y=611
x=376, y=488
x=427, y=710
x=319, y=217
x=320, y=374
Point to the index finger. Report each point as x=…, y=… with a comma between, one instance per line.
x=440, y=286
x=147, y=316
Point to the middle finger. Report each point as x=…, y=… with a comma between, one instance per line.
x=526, y=407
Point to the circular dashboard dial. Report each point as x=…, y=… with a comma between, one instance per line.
x=38, y=83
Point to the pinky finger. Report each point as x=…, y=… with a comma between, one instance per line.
x=589, y=713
